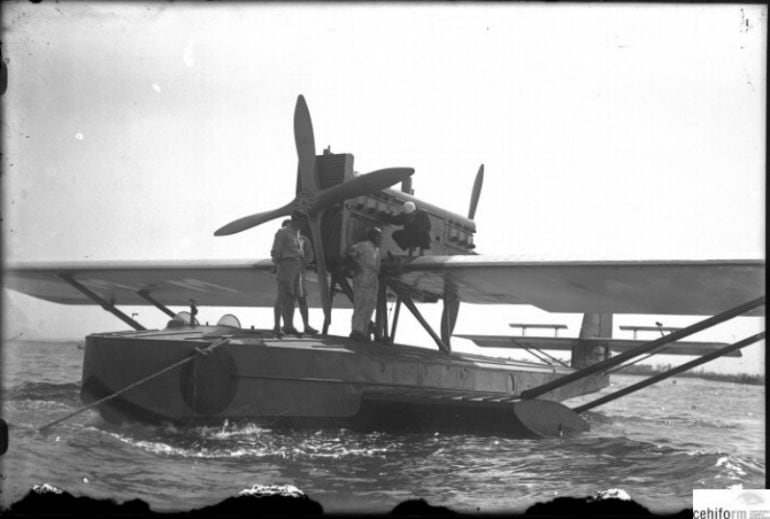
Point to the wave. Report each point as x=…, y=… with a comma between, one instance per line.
x=68, y=393
x=629, y=459
x=245, y=440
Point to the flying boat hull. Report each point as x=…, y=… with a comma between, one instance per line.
x=310, y=381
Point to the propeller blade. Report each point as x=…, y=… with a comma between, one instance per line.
x=298, y=185
x=305, y=142
x=360, y=185
x=247, y=222
x=476, y=192
x=314, y=222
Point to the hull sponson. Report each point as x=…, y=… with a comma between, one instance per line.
x=314, y=380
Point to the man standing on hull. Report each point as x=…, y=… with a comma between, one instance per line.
x=289, y=256
x=366, y=255
x=307, y=250
x=278, y=307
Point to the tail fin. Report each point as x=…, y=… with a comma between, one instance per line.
x=585, y=353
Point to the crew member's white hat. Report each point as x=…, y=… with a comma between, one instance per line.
x=409, y=207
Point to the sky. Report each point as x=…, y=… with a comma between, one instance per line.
x=621, y=131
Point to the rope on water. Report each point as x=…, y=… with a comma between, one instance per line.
x=198, y=351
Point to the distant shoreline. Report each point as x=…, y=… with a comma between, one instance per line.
x=63, y=342
x=740, y=378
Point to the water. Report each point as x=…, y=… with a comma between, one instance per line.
x=657, y=445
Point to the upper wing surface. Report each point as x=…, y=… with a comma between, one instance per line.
x=699, y=287
x=172, y=283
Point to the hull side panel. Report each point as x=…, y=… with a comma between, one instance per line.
x=313, y=380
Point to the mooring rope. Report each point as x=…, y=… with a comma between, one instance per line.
x=198, y=351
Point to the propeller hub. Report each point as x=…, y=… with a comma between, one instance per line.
x=305, y=201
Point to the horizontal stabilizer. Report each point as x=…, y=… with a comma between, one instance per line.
x=567, y=343
x=650, y=328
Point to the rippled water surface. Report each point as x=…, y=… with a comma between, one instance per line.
x=657, y=445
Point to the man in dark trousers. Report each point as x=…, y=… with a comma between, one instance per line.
x=416, y=230
x=278, y=306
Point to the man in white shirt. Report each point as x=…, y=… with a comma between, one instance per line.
x=366, y=255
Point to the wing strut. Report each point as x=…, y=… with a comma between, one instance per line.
x=644, y=348
x=101, y=302
x=449, y=313
x=163, y=308
x=393, y=326
x=404, y=296
x=673, y=371
x=548, y=418
x=541, y=355
x=381, y=317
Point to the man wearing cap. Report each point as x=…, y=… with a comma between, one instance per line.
x=416, y=231
x=366, y=255
x=289, y=256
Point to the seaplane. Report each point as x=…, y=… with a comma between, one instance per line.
x=194, y=374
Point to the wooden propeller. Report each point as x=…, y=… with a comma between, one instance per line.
x=312, y=201
x=476, y=192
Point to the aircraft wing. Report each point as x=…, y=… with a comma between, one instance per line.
x=620, y=345
x=172, y=283
x=699, y=287
x=642, y=287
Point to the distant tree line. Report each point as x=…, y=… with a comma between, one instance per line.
x=740, y=378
